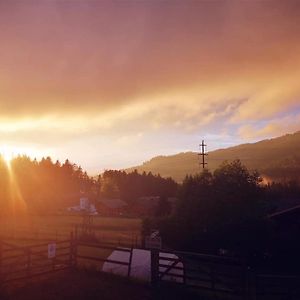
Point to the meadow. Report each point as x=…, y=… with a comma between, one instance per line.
x=36, y=229
x=57, y=227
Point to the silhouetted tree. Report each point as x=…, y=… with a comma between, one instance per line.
x=220, y=210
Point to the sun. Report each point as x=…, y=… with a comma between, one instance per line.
x=7, y=154
x=7, y=157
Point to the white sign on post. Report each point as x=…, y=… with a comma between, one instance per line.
x=153, y=241
x=51, y=250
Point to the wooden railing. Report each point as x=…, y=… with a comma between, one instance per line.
x=25, y=262
x=20, y=262
x=216, y=274
x=277, y=287
x=221, y=276
x=102, y=259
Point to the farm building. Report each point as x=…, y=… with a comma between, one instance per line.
x=84, y=203
x=284, y=241
x=84, y=206
x=287, y=221
x=111, y=207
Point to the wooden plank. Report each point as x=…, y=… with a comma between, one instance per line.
x=101, y=246
x=173, y=266
x=169, y=268
x=200, y=256
x=154, y=267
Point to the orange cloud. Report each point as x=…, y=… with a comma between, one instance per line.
x=100, y=72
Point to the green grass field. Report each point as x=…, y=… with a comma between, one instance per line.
x=58, y=227
x=33, y=230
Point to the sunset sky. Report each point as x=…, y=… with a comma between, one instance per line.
x=111, y=84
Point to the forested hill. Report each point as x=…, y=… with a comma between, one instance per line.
x=277, y=159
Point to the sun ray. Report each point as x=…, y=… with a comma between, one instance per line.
x=7, y=154
x=16, y=200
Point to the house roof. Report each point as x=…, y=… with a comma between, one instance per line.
x=291, y=210
x=113, y=203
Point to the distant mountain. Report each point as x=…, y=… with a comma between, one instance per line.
x=276, y=159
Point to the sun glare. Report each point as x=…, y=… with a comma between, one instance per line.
x=6, y=153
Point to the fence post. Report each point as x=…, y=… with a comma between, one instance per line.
x=53, y=263
x=71, y=258
x=1, y=248
x=248, y=282
x=129, y=263
x=76, y=232
x=73, y=249
x=154, y=267
x=251, y=284
x=213, y=280
x=28, y=262
x=184, y=270
x=254, y=286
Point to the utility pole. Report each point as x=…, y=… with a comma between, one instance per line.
x=203, y=154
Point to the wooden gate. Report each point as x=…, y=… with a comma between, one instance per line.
x=24, y=262
x=214, y=274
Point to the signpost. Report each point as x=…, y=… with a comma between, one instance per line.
x=51, y=250
x=153, y=241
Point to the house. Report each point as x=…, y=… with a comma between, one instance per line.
x=84, y=207
x=287, y=216
x=84, y=203
x=111, y=207
x=288, y=220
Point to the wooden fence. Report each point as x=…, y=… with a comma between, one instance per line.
x=25, y=262
x=100, y=259
x=33, y=234
x=20, y=262
x=222, y=277
x=96, y=233
x=277, y=287
x=213, y=274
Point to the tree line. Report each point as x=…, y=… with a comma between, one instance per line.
x=130, y=186
x=45, y=186
x=227, y=212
